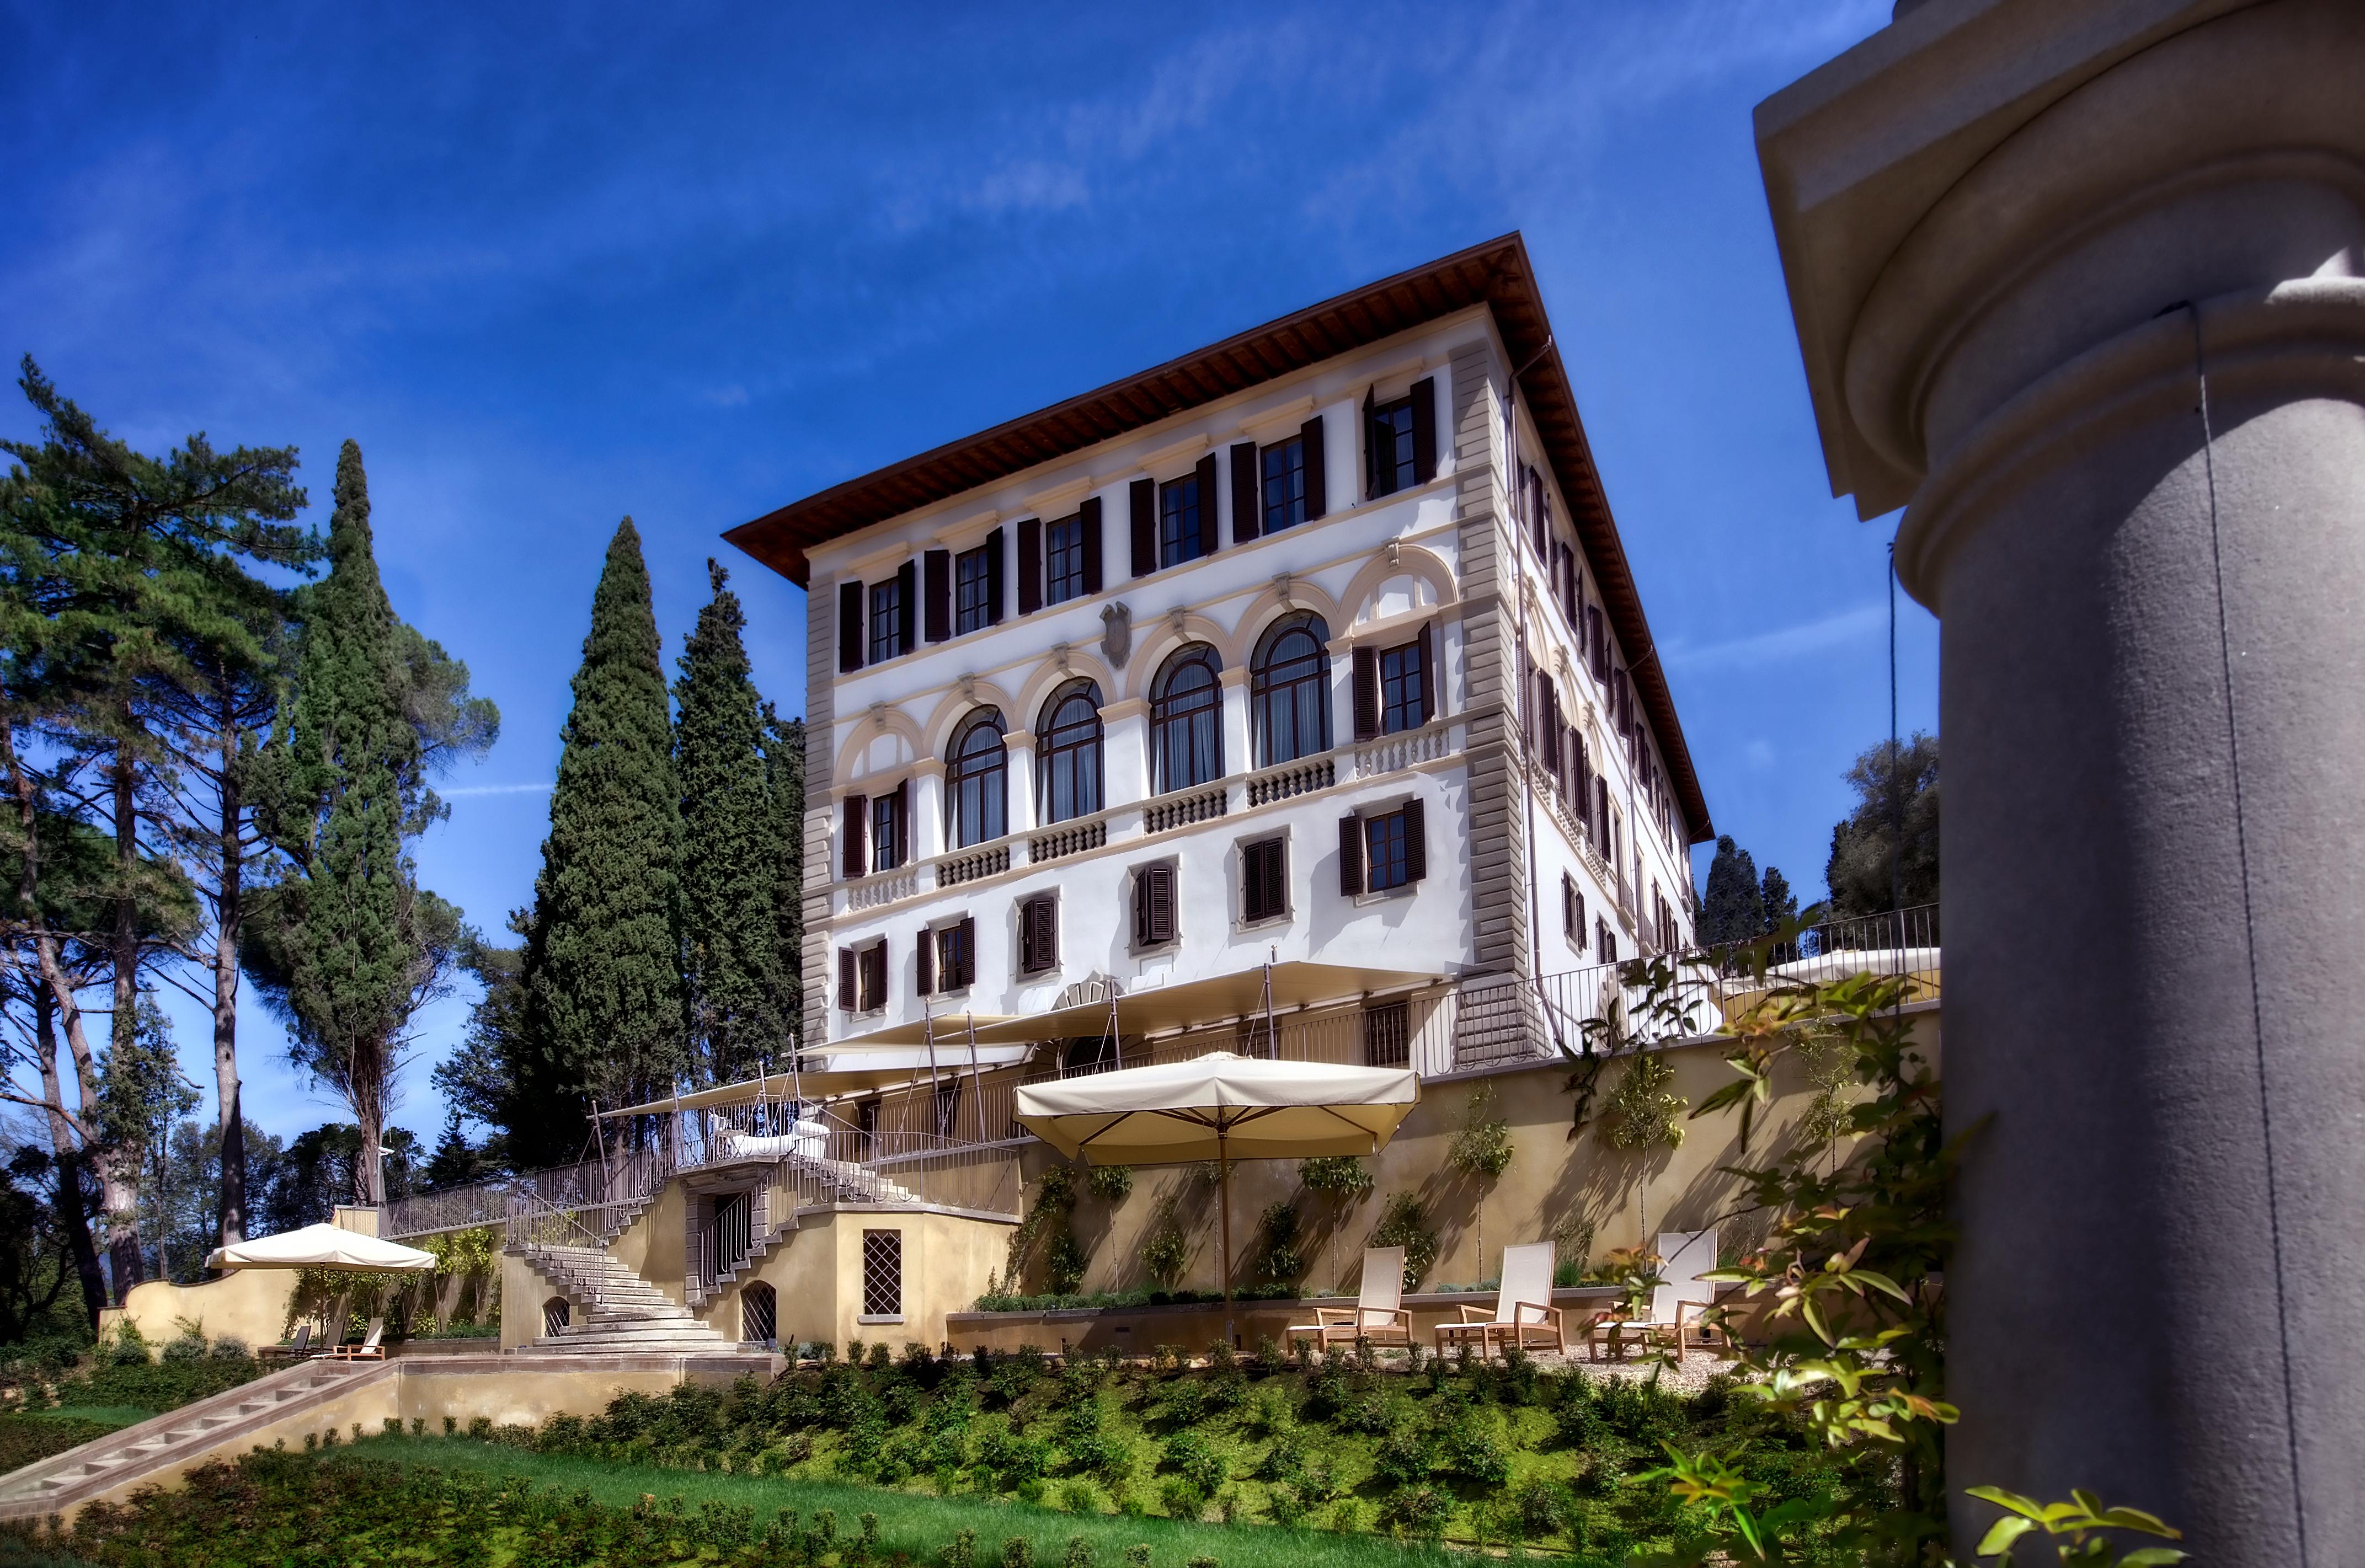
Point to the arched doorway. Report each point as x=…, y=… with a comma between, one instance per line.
x=554, y=1316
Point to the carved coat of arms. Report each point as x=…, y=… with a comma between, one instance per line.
x=1116, y=640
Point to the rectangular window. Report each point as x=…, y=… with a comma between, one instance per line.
x=1179, y=531
x=1038, y=934
x=1153, y=906
x=1383, y=852
x=1391, y=440
x=1571, y=911
x=1285, y=484
x=956, y=954
x=886, y=619
x=1404, y=687
x=1063, y=560
x=1387, y=1034
x=947, y=1098
x=882, y=1273
x=972, y=589
x=1264, y=880
x=873, y=965
x=890, y=833
x=1605, y=942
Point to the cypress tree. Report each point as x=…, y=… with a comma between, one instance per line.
x=784, y=772
x=730, y=846
x=603, y=952
x=343, y=787
x=1731, y=910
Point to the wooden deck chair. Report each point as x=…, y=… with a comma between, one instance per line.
x=369, y=1349
x=1379, y=1310
x=295, y=1351
x=1522, y=1306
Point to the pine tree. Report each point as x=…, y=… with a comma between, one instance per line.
x=1775, y=895
x=603, y=954
x=339, y=812
x=730, y=847
x=784, y=770
x=1730, y=911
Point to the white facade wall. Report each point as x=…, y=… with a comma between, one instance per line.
x=1375, y=571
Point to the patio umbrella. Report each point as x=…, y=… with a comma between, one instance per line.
x=1221, y=1107
x=323, y=1247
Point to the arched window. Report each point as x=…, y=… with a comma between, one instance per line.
x=556, y=1311
x=977, y=780
x=760, y=1314
x=1187, y=713
x=1289, y=691
x=1067, y=754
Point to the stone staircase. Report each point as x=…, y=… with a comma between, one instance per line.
x=625, y=1312
x=61, y=1480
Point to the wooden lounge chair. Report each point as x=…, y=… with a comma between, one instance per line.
x=1379, y=1310
x=295, y=1351
x=1612, y=1328
x=369, y=1349
x=1522, y=1306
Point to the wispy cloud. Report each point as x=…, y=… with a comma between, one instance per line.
x=542, y=789
x=1790, y=643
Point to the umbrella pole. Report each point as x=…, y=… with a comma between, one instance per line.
x=1224, y=1204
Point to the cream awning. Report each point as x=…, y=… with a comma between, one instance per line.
x=323, y=1247
x=1222, y=1106
x=1181, y=1004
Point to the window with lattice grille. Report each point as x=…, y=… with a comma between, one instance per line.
x=760, y=1314
x=882, y=1273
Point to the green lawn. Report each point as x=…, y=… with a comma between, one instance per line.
x=909, y=1521
x=108, y=1416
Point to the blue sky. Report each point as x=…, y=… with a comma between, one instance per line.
x=552, y=264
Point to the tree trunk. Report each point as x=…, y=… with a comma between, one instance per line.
x=122, y=1190
x=368, y=1080
x=73, y=1211
x=230, y=1209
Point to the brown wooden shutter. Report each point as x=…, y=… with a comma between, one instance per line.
x=1424, y=429
x=907, y=580
x=845, y=980
x=855, y=860
x=1141, y=908
x=928, y=964
x=1370, y=445
x=1367, y=693
x=1153, y=900
x=849, y=628
x=1427, y=674
x=1350, y=857
x=1030, y=565
x=936, y=583
x=994, y=577
x=1245, y=511
x=1209, y=508
x=1046, y=934
x=1145, y=527
x=1416, y=821
x=965, y=948
x=1090, y=512
x=902, y=844
x=1318, y=492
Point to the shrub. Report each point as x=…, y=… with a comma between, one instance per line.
x=960, y=1551
x=1403, y=1458
x=1334, y=1176
x=230, y=1347
x=1404, y=1223
x=1180, y=1499
x=186, y=1350
x=1538, y=1510
x=1471, y=1451
x=1017, y=1552
x=1080, y=1551
x=1286, y=1505
x=1190, y=1456
x=1420, y=1511
x=1080, y=1496
x=1110, y=1184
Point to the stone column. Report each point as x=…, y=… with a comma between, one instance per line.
x=2017, y=235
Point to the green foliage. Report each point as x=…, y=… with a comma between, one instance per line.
x=1403, y=1221
x=1166, y=1250
x=1279, y=1257
x=1892, y=786
x=1483, y=1147
x=730, y=847
x=1110, y=1184
x=1342, y=1177
x=2082, y=1520
x=604, y=1001
x=1644, y=1112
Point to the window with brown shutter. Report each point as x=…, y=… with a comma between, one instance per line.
x=1424, y=429
x=1153, y=905
x=846, y=993
x=1145, y=527
x=1038, y=934
x=1208, y=506
x=1416, y=821
x=1245, y=507
x=1367, y=693
x=1089, y=517
x=872, y=975
x=1350, y=857
x=937, y=585
x=891, y=828
x=1318, y=487
x=849, y=628
x=1264, y=880
x=956, y=954
x=995, y=577
x=854, y=858
x=1030, y=565
x=1397, y=442
x=1426, y=644
x=927, y=948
